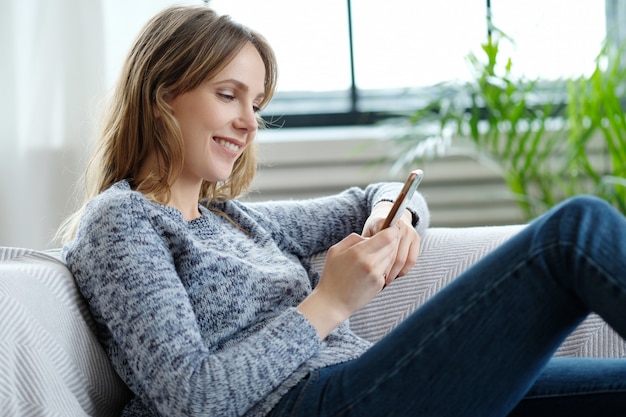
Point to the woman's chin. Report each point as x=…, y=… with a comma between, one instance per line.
x=223, y=175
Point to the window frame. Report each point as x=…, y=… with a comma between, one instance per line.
x=405, y=101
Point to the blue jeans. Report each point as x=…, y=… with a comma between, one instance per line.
x=483, y=346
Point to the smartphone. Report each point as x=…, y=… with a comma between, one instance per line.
x=414, y=179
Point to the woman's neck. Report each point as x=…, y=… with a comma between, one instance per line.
x=184, y=198
x=184, y=193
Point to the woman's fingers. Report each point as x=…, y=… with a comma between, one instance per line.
x=406, y=254
x=355, y=268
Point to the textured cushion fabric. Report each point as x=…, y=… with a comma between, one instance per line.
x=445, y=253
x=51, y=364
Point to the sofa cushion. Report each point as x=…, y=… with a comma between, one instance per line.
x=50, y=361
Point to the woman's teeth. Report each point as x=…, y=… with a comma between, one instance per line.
x=228, y=145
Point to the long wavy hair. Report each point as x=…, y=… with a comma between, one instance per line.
x=176, y=51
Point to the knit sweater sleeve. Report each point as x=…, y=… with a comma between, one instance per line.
x=315, y=224
x=128, y=276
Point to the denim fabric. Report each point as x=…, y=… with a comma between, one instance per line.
x=486, y=341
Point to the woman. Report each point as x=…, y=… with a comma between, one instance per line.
x=212, y=308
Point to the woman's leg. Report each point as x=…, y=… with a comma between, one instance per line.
x=577, y=387
x=477, y=347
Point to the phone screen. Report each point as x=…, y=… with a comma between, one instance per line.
x=414, y=179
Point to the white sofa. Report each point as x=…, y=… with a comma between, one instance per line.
x=52, y=365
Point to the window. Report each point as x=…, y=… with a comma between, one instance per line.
x=353, y=61
x=553, y=39
x=403, y=48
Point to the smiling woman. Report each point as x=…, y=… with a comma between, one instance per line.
x=217, y=122
x=208, y=305
x=196, y=85
x=174, y=152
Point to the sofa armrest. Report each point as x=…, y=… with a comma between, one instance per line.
x=446, y=253
x=51, y=363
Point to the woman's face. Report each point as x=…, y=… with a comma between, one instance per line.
x=218, y=118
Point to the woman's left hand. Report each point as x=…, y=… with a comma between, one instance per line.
x=408, y=244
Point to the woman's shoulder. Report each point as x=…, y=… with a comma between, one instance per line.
x=119, y=193
x=112, y=216
x=117, y=204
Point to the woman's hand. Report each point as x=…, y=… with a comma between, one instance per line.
x=356, y=270
x=409, y=244
x=359, y=267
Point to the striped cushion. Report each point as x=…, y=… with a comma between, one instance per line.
x=50, y=361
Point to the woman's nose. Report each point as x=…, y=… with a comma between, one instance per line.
x=247, y=120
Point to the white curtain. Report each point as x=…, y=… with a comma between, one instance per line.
x=51, y=79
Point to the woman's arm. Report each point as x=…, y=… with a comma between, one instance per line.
x=317, y=224
x=359, y=266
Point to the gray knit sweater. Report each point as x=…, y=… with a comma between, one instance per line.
x=199, y=317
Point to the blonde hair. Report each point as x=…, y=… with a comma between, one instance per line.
x=176, y=51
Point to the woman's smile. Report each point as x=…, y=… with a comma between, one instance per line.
x=229, y=145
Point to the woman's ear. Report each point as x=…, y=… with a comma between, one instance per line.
x=155, y=110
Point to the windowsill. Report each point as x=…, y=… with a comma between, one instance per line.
x=382, y=131
x=325, y=133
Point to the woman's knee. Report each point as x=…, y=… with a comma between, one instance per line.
x=584, y=205
x=577, y=215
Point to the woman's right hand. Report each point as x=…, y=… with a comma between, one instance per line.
x=354, y=273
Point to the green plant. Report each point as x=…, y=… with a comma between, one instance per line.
x=595, y=110
x=543, y=147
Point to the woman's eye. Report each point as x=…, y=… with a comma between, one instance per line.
x=231, y=97
x=227, y=97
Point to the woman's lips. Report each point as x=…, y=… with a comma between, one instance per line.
x=231, y=146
